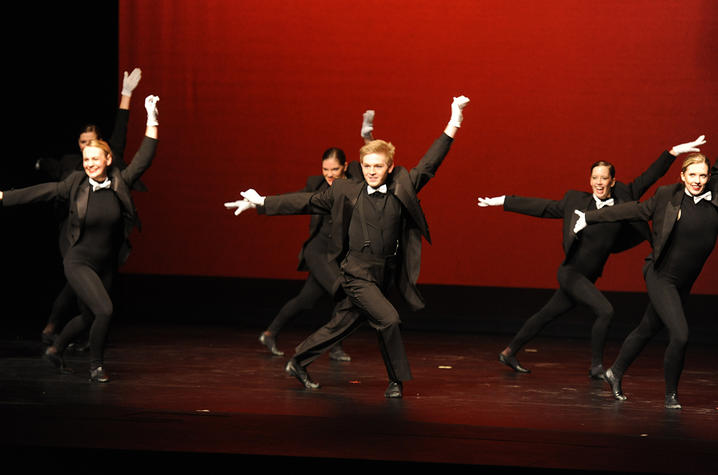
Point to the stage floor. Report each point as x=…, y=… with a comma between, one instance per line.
x=189, y=394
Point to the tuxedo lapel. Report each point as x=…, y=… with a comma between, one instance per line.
x=403, y=190
x=669, y=218
x=123, y=192
x=83, y=196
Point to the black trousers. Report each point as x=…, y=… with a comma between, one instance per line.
x=665, y=309
x=91, y=286
x=364, y=301
x=574, y=288
x=64, y=306
x=306, y=299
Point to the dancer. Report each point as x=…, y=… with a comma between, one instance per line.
x=313, y=257
x=94, y=240
x=377, y=226
x=323, y=272
x=685, y=227
x=65, y=304
x=585, y=257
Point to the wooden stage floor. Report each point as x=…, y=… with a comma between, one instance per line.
x=189, y=394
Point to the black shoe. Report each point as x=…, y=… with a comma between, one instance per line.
x=615, y=384
x=394, y=390
x=271, y=344
x=512, y=363
x=295, y=369
x=78, y=347
x=337, y=353
x=54, y=358
x=672, y=401
x=98, y=375
x=597, y=372
x=47, y=338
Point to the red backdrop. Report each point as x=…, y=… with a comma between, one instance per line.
x=252, y=92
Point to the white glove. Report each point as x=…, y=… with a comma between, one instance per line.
x=241, y=205
x=367, y=125
x=457, y=106
x=497, y=201
x=689, y=146
x=152, y=112
x=130, y=81
x=253, y=197
x=581, y=223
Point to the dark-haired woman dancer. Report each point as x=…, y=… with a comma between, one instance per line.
x=585, y=257
x=94, y=239
x=685, y=228
x=323, y=273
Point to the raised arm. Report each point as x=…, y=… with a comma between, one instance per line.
x=119, y=132
x=457, y=116
x=661, y=166
x=143, y=158
x=432, y=159
x=367, y=126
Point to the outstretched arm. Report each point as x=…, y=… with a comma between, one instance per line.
x=630, y=211
x=530, y=206
x=38, y=193
x=251, y=200
x=496, y=201
x=286, y=204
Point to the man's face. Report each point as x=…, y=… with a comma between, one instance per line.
x=332, y=169
x=85, y=138
x=602, y=182
x=95, y=163
x=695, y=178
x=375, y=169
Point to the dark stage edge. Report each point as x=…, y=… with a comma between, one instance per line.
x=198, y=394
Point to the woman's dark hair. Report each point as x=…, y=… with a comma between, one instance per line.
x=335, y=152
x=90, y=128
x=603, y=163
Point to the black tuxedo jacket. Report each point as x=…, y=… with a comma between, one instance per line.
x=75, y=191
x=317, y=183
x=662, y=208
x=339, y=200
x=631, y=235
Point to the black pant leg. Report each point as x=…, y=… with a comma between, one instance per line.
x=384, y=318
x=64, y=306
x=559, y=303
x=92, y=291
x=307, y=298
x=583, y=290
x=345, y=319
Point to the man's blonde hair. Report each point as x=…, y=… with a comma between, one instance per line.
x=378, y=146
